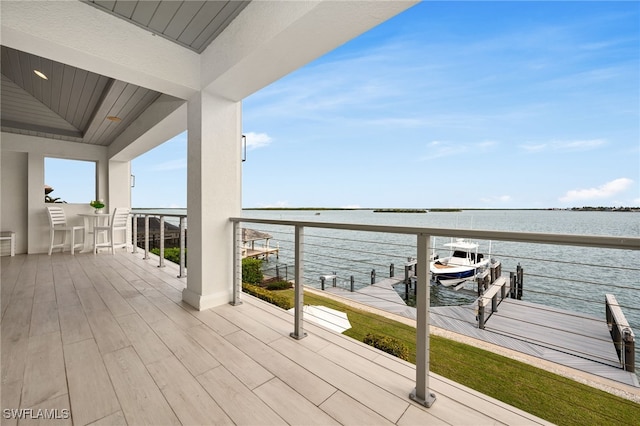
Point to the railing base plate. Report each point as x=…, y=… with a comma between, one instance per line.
x=236, y=303
x=428, y=402
x=295, y=336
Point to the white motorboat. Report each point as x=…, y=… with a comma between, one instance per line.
x=463, y=263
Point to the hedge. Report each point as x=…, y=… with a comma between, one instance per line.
x=274, y=298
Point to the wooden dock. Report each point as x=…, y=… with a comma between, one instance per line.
x=258, y=252
x=573, y=340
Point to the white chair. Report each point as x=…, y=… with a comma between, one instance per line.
x=58, y=223
x=118, y=223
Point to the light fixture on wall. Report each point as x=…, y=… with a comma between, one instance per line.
x=40, y=74
x=244, y=148
x=114, y=118
x=133, y=181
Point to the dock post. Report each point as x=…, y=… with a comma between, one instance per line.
x=335, y=278
x=512, y=284
x=322, y=282
x=629, y=345
x=494, y=303
x=480, y=315
x=373, y=276
x=353, y=281
x=421, y=394
x=298, y=332
x=519, y=275
x=391, y=271
x=277, y=272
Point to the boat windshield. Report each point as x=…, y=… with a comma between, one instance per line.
x=460, y=253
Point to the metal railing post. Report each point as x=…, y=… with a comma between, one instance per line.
x=161, y=262
x=298, y=332
x=135, y=233
x=237, y=264
x=421, y=394
x=182, y=247
x=146, y=237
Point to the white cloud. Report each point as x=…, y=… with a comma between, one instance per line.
x=486, y=144
x=439, y=149
x=581, y=145
x=566, y=146
x=257, y=140
x=603, y=191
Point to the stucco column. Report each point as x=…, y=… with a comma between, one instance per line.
x=214, y=193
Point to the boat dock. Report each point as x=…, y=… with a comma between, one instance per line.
x=260, y=250
x=567, y=338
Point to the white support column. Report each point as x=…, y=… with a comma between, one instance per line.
x=118, y=183
x=214, y=194
x=421, y=393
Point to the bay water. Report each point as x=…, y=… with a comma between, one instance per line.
x=565, y=277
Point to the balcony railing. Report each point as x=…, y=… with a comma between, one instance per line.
x=352, y=256
x=317, y=249
x=158, y=237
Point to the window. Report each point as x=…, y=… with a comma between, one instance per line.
x=69, y=181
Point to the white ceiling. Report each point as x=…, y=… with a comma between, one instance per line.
x=73, y=104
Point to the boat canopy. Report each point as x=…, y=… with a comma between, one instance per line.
x=461, y=244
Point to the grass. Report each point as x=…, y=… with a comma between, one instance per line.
x=552, y=397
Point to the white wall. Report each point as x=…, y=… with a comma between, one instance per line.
x=13, y=196
x=22, y=188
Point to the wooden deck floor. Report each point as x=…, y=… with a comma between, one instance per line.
x=108, y=339
x=577, y=341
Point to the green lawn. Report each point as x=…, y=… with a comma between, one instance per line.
x=546, y=395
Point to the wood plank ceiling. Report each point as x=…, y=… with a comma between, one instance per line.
x=80, y=106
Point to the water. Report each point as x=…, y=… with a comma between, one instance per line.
x=571, y=278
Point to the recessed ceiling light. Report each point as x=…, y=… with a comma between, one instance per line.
x=40, y=74
x=114, y=118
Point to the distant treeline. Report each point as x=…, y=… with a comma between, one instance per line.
x=399, y=211
x=607, y=209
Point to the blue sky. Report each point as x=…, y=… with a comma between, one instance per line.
x=450, y=104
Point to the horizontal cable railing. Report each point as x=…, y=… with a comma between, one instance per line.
x=168, y=227
x=572, y=273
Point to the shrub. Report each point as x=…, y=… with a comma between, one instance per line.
x=172, y=254
x=274, y=298
x=278, y=285
x=388, y=344
x=252, y=270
